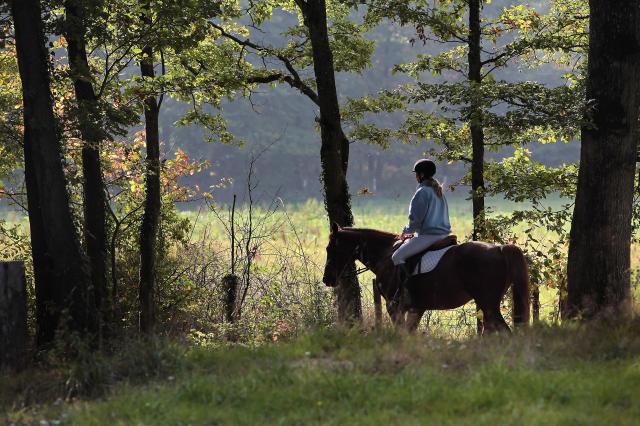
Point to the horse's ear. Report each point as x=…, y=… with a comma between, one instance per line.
x=335, y=228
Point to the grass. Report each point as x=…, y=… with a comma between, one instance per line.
x=546, y=375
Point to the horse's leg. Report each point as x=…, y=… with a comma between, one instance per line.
x=502, y=324
x=488, y=322
x=494, y=321
x=400, y=319
x=485, y=322
x=397, y=314
x=487, y=298
x=413, y=319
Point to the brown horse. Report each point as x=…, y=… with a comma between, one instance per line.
x=471, y=271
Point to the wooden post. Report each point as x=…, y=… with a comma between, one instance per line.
x=13, y=315
x=377, y=303
x=230, y=291
x=536, y=304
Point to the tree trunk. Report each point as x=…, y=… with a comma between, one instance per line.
x=535, y=306
x=151, y=217
x=600, y=237
x=92, y=135
x=61, y=276
x=477, y=132
x=334, y=152
x=13, y=315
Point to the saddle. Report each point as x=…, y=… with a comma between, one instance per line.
x=449, y=240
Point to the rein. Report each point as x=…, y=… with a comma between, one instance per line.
x=359, y=251
x=359, y=271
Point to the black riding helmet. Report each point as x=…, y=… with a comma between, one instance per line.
x=426, y=167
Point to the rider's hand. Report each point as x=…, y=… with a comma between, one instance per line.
x=406, y=236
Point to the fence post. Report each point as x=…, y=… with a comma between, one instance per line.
x=13, y=315
x=377, y=304
x=536, y=304
x=230, y=291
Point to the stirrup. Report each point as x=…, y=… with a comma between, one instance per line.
x=402, y=297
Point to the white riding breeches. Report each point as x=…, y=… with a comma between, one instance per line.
x=413, y=246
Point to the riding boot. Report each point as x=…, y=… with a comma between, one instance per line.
x=406, y=293
x=406, y=274
x=403, y=292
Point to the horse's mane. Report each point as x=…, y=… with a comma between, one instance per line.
x=372, y=233
x=381, y=241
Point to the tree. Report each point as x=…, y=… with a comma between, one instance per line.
x=92, y=133
x=193, y=67
x=316, y=43
x=599, y=249
x=151, y=217
x=474, y=56
x=61, y=276
x=334, y=152
x=465, y=108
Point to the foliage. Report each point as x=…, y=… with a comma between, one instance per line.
x=210, y=53
x=10, y=117
x=444, y=101
x=124, y=171
x=514, y=113
x=291, y=52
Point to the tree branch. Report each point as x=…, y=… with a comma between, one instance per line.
x=293, y=79
x=264, y=79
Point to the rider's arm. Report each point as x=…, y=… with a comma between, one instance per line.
x=417, y=212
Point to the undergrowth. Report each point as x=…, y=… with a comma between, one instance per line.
x=587, y=374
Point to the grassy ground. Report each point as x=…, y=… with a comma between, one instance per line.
x=545, y=376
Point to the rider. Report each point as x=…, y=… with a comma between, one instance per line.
x=428, y=216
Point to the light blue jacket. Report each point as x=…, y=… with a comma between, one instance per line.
x=428, y=213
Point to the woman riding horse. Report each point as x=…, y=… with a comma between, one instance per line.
x=428, y=217
x=471, y=271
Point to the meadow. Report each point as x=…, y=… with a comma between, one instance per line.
x=279, y=256
x=299, y=233
x=290, y=364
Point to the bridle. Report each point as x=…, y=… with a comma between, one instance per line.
x=357, y=252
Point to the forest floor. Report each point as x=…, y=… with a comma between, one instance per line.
x=586, y=375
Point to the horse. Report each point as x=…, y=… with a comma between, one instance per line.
x=473, y=270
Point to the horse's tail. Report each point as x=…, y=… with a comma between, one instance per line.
x=518, y=276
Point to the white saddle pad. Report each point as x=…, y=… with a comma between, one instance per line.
x=430, y=260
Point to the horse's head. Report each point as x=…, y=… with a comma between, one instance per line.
x=340, y=253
